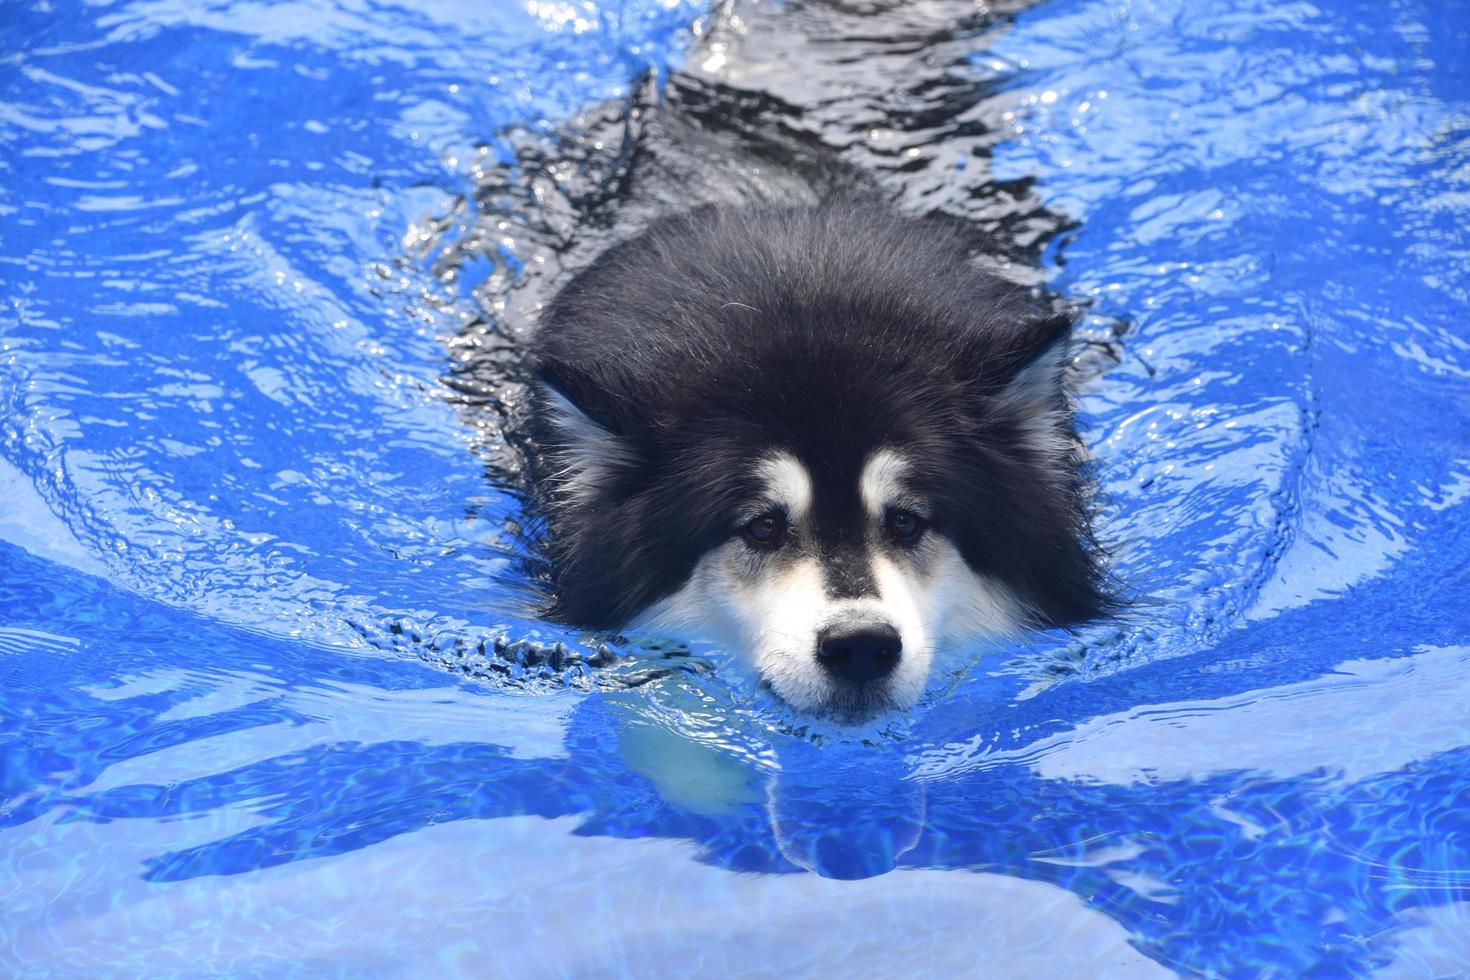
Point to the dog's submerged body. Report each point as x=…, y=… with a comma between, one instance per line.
x=818, y=433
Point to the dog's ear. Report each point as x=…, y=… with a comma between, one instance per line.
x=1030, y=369
x=1028, y=386
x=589, y=456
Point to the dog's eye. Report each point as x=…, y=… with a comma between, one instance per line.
x=903, y=526
x=767, y=530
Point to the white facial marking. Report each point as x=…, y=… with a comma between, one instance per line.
x=593, y=454
x=788, y=485
x=769, y=618
x=882, y=481
x=958, y=604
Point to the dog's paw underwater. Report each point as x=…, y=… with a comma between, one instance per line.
x=818, y=434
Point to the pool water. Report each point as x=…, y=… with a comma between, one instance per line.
x=270, y=702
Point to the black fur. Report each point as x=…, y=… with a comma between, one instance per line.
x=827, y=330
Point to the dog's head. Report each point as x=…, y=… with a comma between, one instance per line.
x=835, y=502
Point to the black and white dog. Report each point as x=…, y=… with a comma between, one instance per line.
x=818, y=434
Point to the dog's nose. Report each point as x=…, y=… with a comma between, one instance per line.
x=859, y=655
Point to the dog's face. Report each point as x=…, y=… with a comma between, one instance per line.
x=838, y=590
x=836, y=542
x=819, y=435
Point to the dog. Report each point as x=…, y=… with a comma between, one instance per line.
x=818, y=433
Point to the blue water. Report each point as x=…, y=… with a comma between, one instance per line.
x=254, y=717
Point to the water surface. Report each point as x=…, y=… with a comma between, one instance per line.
x=269, y=702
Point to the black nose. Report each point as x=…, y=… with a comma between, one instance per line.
x=859, y=655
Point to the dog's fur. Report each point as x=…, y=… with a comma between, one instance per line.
x=835, y=365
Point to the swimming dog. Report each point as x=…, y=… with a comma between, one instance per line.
x=819, y=434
